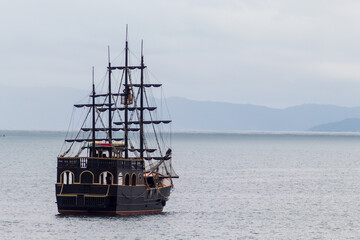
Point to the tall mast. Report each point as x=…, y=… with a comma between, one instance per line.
x=93, y=115
x=142, y=104
x=126, y=94
x=110, y=118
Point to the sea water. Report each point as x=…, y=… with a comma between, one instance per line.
x=231, y=186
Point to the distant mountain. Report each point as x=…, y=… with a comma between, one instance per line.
x=37, y=108
x=206, y=115
x=51, y=108
x=347, y=125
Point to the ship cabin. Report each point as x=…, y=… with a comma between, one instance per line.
x=104, y=166
x=106, y=150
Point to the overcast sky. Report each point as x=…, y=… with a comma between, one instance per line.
x=273, y=53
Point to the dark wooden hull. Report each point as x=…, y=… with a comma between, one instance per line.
x=107, y=213
x=96, y=199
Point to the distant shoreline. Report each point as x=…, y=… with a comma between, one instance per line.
x=204, y=132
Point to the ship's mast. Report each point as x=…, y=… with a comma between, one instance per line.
x=110, y=118
x=142, y=104
x=93, y=115
x=126, y=95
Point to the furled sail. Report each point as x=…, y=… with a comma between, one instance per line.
x=146, y=85
x=145, y=122
x=128, y=109
x=90, y=105
x=107, y=129
x=90, y=140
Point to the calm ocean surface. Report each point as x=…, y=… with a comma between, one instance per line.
x=231, y=186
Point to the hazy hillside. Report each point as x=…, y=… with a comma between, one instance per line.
x=50, y=109
x=196, y=115
x=37, y=108
x=347, y=125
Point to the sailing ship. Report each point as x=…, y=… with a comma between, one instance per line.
x=119, y=160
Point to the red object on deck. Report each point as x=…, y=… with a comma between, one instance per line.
x=105, y=144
